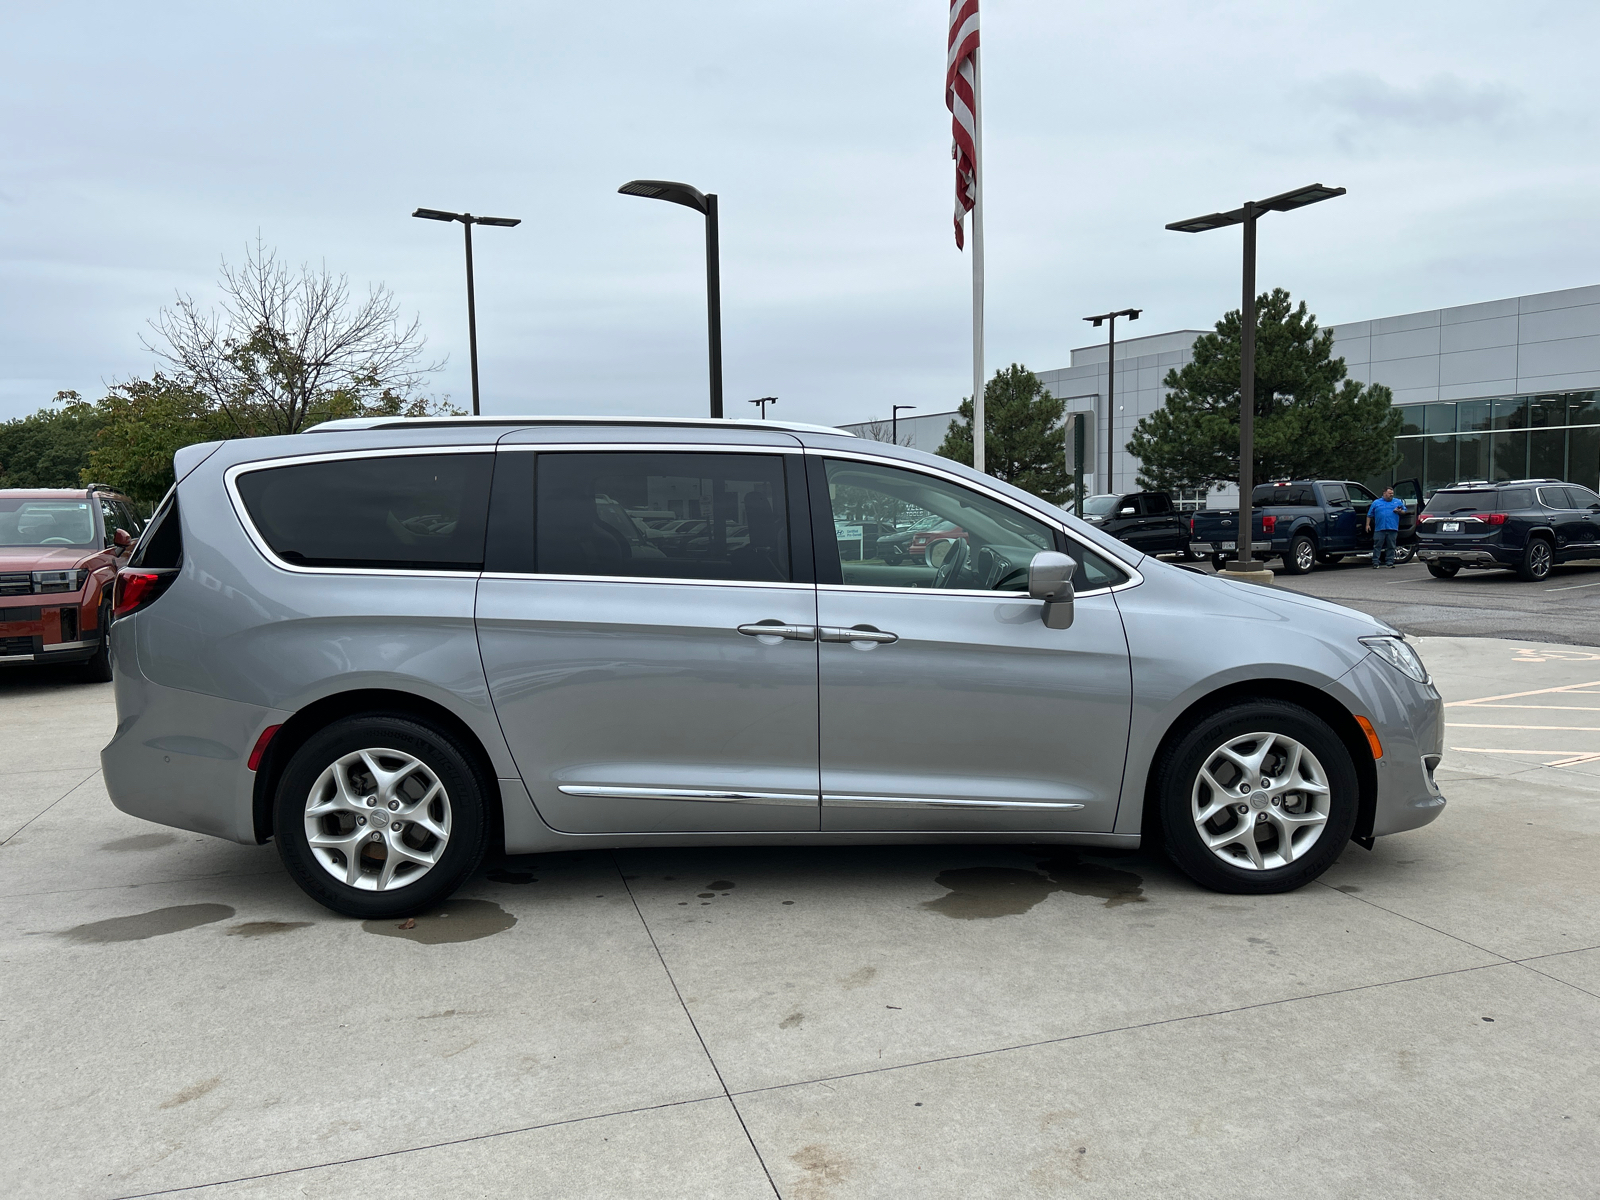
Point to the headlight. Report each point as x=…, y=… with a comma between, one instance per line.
x=58, y=581
x=1399, y=655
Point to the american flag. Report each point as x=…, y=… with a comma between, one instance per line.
x=959, y=85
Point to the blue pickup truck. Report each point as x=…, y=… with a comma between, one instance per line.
x=1305, y=522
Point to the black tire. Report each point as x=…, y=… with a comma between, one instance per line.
x=1217, y=562
x=1178, y=768
x=1443, y=570
x=467, y=793
x=891, y=558
x=1301, y=556
x=1537, y=559
x=1187, y=554
x=98, y=668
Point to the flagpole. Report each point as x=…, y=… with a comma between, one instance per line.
x=977, y=264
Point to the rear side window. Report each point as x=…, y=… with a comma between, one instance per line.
x=1555, y=497
x=1334, y=493
x=424, y=512
x=163, y=543
x=1156, y=504
x=593, y=516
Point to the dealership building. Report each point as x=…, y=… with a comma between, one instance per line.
x=1507, y=389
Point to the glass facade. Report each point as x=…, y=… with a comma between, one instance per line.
x=1555, y=435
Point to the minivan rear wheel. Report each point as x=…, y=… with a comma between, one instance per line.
x=381, y=815
x=1259, y=797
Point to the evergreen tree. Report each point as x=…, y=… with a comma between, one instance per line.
x=1023, y=442
x=1310, y=419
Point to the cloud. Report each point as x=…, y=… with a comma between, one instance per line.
x=1369, y=105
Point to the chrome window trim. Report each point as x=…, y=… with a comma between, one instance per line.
x=230, y=479
x=1134, y=576
x=676, y=580
x=830, y=800
x=696, y=794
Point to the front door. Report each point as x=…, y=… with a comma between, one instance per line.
x=945, y=702
x=654, y=684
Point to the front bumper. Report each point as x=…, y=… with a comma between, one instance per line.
x=46, y=629
x=1409, y=720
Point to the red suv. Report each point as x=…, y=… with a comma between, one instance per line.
x=59, y=553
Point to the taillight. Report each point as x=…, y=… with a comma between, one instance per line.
x=138, y=589
x=1269, y=524
x=1496, y=518
x=1191, y=526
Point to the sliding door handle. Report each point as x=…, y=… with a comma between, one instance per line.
x=859, y=633
x=771, y=632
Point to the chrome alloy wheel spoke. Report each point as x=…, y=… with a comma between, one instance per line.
x=1260, y=801
x=377, y=819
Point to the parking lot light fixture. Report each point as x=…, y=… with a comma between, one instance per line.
x=1111, y=378
x=704, y=203
x=1246, y=215
x=763, y=401
x=467, y=222
x=894, y=422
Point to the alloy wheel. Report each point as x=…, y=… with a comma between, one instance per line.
x=1539, y=559
x=1305, y=556
x=1260, y=801
x=377, y=819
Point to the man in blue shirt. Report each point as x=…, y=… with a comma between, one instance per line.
x=1383, y=522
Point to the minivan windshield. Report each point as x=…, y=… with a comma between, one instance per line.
x=1478, y=500
x=46, y=523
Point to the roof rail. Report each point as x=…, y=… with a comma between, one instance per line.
x=347, y=423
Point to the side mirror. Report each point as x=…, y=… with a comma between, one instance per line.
x=1594, y=508
x=1050, y=579
x=121, y=539
x=1130, y=511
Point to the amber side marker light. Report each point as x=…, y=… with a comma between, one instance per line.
x=1372, y=736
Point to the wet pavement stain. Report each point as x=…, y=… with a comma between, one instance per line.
x=720, y=885
x=1111, y=884
x=501, y=875
x=150, y=924
x=255, y=929
x=141, y=841
x=982, y=893
x=792, y=1020
x=193, y=1092
x=456, y=921
x=1347, y=888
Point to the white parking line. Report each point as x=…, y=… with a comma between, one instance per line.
x=1563, y=758
x=1572, y=587
x=1568, y=728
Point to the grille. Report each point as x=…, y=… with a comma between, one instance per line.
x=16, y=585
x=16, y=645
x=10, y=615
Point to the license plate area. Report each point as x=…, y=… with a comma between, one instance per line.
x=1228, y=545
x=1450, y=527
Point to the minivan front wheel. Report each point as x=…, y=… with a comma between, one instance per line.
x=1260, y=797
x=380, y=816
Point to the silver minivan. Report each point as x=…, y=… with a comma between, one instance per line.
x=392, y=644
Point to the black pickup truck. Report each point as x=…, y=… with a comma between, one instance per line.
x=1304, y=522
x=1145, y=520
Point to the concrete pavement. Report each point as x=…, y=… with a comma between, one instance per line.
x=937, y=1021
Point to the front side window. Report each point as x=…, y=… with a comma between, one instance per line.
x=969, y=542
x=595, y=514
x=1582, y=497
x=46, y=523
x=404, y=512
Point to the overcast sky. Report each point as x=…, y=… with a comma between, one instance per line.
x=141, y=144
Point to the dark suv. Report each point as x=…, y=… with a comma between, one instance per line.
x=60, y=549
x=1528, y=525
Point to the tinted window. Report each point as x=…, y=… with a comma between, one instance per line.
x=1334, y=493
x=1582, y=497
x=1156, y=504
x=46, y=523
x=1445, y=503
x=163, y=547
x=1281, y=495
x=1359, y=495
x=732, y=524
x=416, y=512
x=1554, y=497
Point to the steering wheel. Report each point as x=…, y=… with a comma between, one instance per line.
x=952, y=566
x=56, y=541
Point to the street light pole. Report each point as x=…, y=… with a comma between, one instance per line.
x=704, y=203
x=894, y=422
x=1246, y=215
x=467, y=222
x=1111, y=379
x=763, y=402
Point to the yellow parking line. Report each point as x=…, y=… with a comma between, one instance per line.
x=1570, y=687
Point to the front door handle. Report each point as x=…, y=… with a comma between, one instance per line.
x=860, y=633
x=771, y=632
